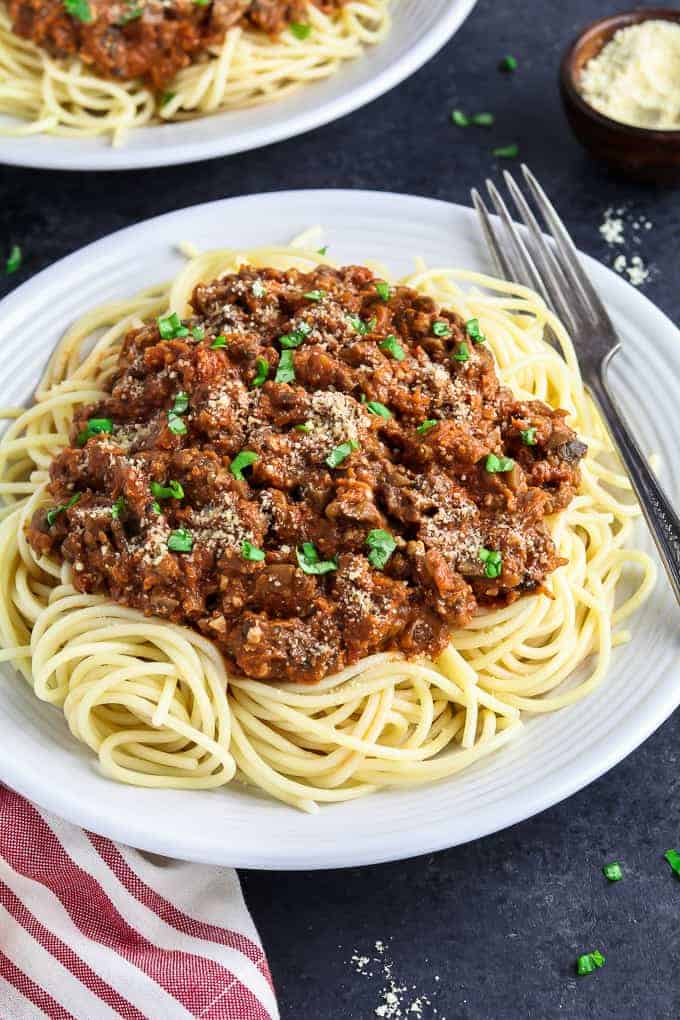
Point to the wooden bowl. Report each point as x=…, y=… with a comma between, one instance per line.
x=641, y=153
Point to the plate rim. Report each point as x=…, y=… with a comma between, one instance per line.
x=109, y=158
x=649, y=715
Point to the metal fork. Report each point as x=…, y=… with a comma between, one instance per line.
x=555, y=271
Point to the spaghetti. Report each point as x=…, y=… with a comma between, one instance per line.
x=154, y=701
x=63, y=97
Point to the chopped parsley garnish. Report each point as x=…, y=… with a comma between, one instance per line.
x=613, y=871
x=55, y=511
x=262, y=372
x=428, y=424
x=322, y=251
x=483, y=119
x=381, y=546
x=289, y=341
x=673, y=858
x=493, y=562
x=340, y=453
x=315, y=295
x=251, y=552
x=498, y=465
x=306, y=426
x=300, y=30
x=285, y=373
x=176, y=425
x=588, y=962
x=311, y=562
x=383, y=290
x=180, y=404
x=173, y=490
x=506, y=151
x=198, y=333
x=375, y=407
x=218, y=343
x=362, y=327
x=508, y=63
x=459, y=118
x=202, y=3
x=170, y=327
x=13, y=259
x=441, y=328
x=181, y=541
x=131, y=15
x=258, y=288
x=242, y=460
x=156, y=507
x=391, y=345
x=473, y=331
x=463, y=352
x=167, y=97
x=118, y=508
x=528, y=436
x=79, y=9
x=95, y=427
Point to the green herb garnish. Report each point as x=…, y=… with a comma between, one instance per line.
x=391, y=345
x=118, y=508
x=173, y=490
x=673, y=858
x=315, y=295
x=381, y=545
x=306, y=426
x=482, y=119
x=218, y=343
x=285, y=373
x=322, y=251
x=459, y=118
x=383, y=290
x=310, y=561
x=261, y=374
x=166, y=97
x=259, y=290
x=55, y=511
x=180, y=541
x=473, y=331
x=375, y=407
x=508, y=64
x=498, y=465
x=251, y=552
x=613, y=871
x=242, y=460
x=170, y=327
x=299, y=30
x=198, y=333
x=463, y=352
x=340, y=453
x=95, y=427
x=79, y=9
x=588, y=962
x=13, y=259
x=528, y=436
x=180, y=404
x=176, y=424
x=428, y=424
x=362, y=327
x=506, y=151
x=131, y=15
x=441, y=329
x=493, y=562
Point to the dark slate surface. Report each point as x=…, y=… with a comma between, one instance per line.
x=500, y=922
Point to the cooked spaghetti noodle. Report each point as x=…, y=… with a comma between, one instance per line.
x=154, y=701
x=63, y=97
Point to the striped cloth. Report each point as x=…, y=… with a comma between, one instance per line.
x=93, y=930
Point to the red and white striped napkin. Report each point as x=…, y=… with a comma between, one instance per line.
x=93, y=930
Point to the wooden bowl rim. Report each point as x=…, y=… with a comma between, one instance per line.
x=610, y=24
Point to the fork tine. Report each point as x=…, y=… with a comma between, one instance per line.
x=566, y=251
x=552, y=281
x=523, y=259
x=524, y=270
x=492, y=242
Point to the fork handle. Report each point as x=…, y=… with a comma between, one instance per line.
x=661, y=518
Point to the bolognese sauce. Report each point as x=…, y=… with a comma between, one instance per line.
x=149, y=39
x=311, y=468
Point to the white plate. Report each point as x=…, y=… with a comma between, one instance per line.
x=419, y=29
x=555, y=756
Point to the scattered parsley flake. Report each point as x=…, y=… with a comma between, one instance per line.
x=391, y=345
x=262, y=372
x=340, y=453
x=55, y=511
x=613, y=872
x=251, y=552
x=588, y=962
x=181, y=540
x=310, y=561
x=285, y=373
x=79, y=9
x=242, y=460
x=383, y=290
x=381, y=546
x=14, y=259
x=506, y=151
x=299, y=30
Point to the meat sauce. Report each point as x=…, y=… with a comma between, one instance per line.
x=148, y=39
x=310, y=469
